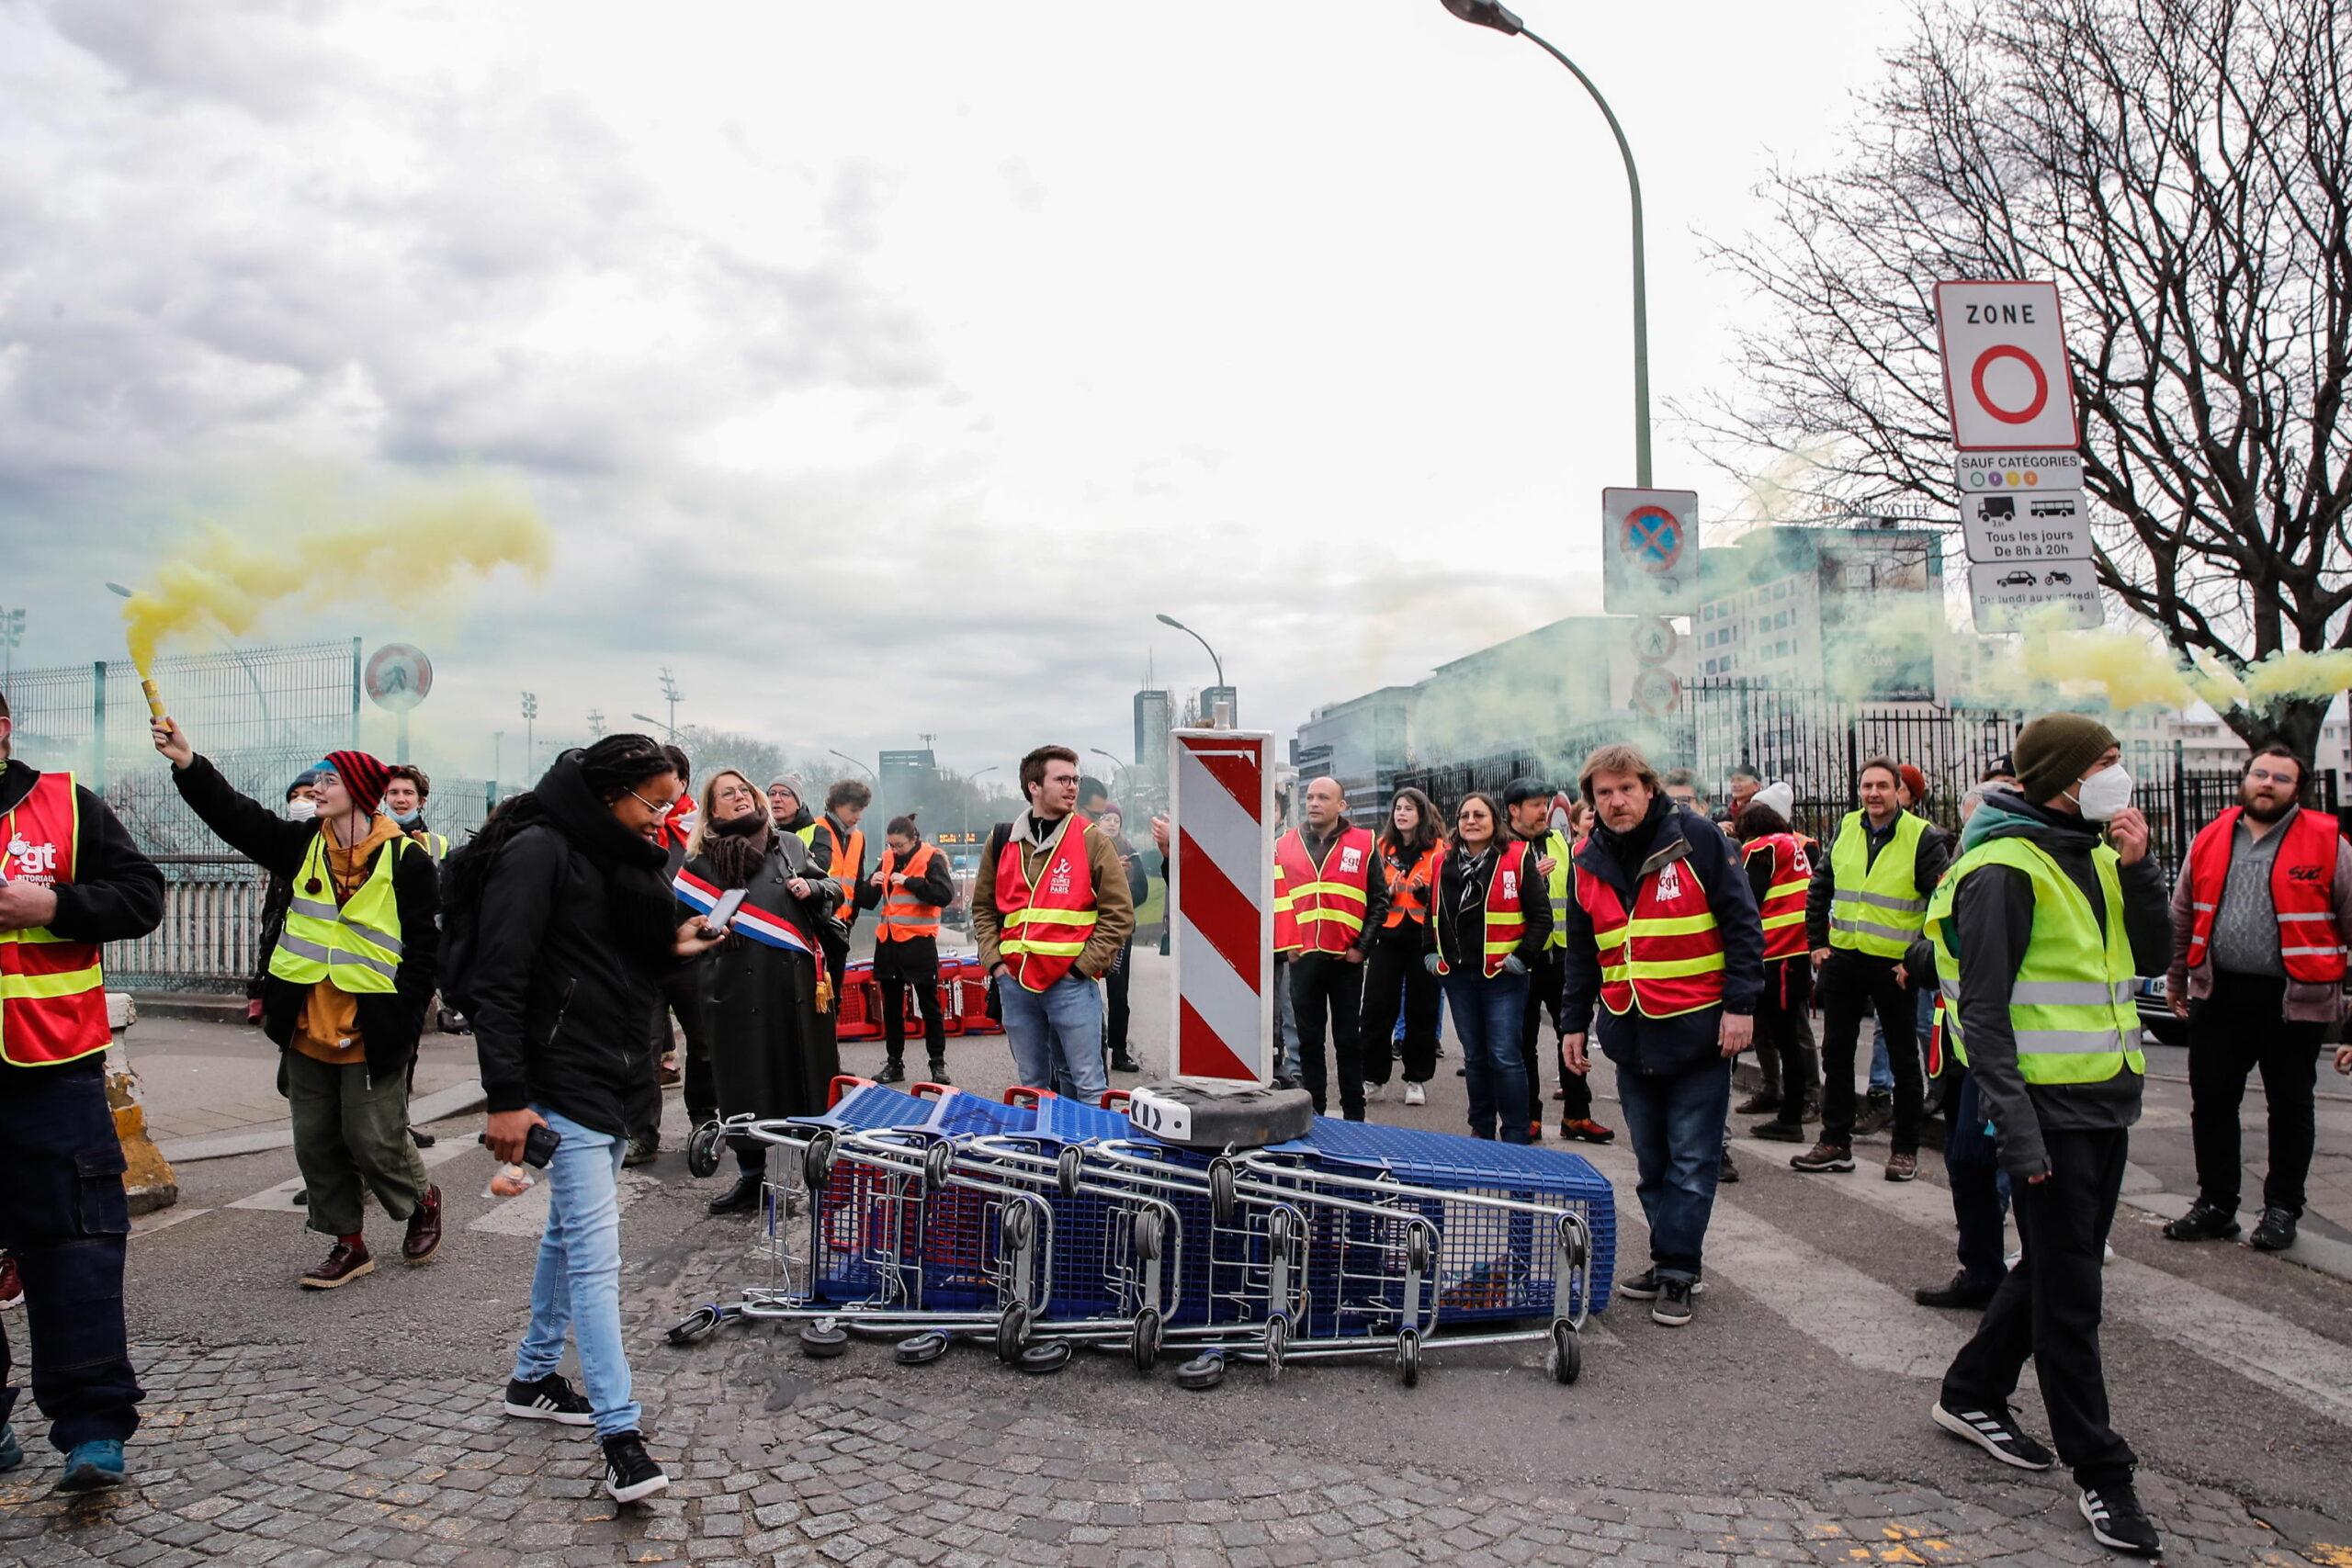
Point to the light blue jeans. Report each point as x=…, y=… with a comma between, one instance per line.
x=578, y=1284
x=1056, y=1035
x=1882, y=1065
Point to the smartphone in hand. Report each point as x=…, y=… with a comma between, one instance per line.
x=722, y=914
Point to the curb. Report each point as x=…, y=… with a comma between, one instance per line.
x=455, y=1101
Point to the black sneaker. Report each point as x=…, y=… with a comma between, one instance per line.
x=629, y=1472
x=1644, y=1286
x=1672, y=1307
x=2204, y=1222
x=2275, y=1233
x=938, y=1073
x=2117, y=1520
x=892, y=1072
x=1124, y=1062
x=551, y=1398
x=1726, y=1172
x=1960, y=1295
x=1777, y=1132
x=1993, y=1429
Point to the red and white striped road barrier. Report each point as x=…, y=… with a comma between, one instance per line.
x=1221, y=903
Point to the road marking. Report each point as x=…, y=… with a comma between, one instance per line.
x=526, y=1214
x=2312, y=1370
x=279, y=1200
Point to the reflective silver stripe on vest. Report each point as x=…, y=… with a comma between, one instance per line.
x=360, y=961
x=315, y=909
x=1884, y=900
x=303, y=948
x=390, y=944
x=2075, y=1042
x=1892, y=933
x=2309, y=952
x=2315, y=915
x=2054, y=993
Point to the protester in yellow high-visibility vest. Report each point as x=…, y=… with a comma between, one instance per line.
x=71, y=880
x=347, y=992
x=406, y=789
x=1864, y=907
x=2037, y=932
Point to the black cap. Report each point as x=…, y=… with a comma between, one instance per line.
x=1525, y=789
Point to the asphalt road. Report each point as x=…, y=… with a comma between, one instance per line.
x=1805, y=1379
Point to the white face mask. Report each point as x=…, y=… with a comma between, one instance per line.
x=303, y=810
x=2104, y=794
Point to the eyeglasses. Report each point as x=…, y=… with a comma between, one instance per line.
x=2264, y=775
x=649, y=805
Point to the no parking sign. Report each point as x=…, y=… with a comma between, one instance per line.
x=1650, y=544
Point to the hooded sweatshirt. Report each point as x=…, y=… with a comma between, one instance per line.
x=1992, y=927
x=327, y=1029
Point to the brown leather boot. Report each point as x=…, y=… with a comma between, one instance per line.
x=423, y=1239
x=346, y=1263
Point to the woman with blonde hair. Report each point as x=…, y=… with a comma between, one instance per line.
x=761, y=990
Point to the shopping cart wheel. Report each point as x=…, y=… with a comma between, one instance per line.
x=1278, y=1228
x=1202, y=1371
x=696, y=1324
x=1012, y=1332
x=1579, y=1246
x=823, y=1339
x=1417, y=1250
x=816, y=1160
x=1146, y=1344
x=1043, y=1359
x=1277, y=1337
x=1017, y=1228
x=935, y=1161
x=1221, y=1192
x=1408, y=1358
x=1148, y=1234
x=1066, y=1169
x=1566, y=1360
x=921, y=1349
x=702, y=1150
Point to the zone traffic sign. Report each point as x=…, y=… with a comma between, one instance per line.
x=2005, y=376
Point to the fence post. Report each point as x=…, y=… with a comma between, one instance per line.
x=98, y=725
x=354, y=693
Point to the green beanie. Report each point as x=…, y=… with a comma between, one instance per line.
x=2054, y=750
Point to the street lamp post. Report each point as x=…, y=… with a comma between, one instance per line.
x=260, y=696
x=671, y=695
x=530, y=733
x=1487, y=14
x=853, y=762
x=967, y=803
x=1219, y=663
x=670, y=730
x=1126, y=769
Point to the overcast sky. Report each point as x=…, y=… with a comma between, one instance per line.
x=883, y=367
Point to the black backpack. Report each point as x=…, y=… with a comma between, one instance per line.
x=463, y=876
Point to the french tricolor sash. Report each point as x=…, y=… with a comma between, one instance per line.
x=763, y=925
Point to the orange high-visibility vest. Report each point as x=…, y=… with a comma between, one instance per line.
x=1045, y=927
x=1783, y=905
x=1322, y=908
x=1408, y=886
x=52, y=992
x=2303, y=892
x=905, y=917
x=847, y=854
x=1506, y=906
x=1667, y=956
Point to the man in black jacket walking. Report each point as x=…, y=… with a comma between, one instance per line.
x=346, y=995
x=574, y=932
x=70, y=880
x=2039, y=931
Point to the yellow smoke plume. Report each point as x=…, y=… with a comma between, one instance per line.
x=401, y=549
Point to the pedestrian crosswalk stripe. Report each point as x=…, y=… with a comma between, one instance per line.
x=2314, y=1371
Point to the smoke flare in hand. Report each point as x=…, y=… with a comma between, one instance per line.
x=402, y=550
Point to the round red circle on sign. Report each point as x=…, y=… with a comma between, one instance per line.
x=1986, y=360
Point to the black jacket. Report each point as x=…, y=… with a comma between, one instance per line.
x=773, y=1054
x=571, y=945
x=1688, y=1041
x=117, y=894
x=389, y=1022
x=1457, y=929
x=1929, y=864
x=1991, y=925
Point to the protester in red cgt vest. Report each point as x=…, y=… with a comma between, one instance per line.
x=1489, y=917
x=71, y=879
x=1664, y=936
x=1325, y=900
x=2259, y=921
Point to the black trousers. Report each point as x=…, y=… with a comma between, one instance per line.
x=2048, y=1306
x=1781, y=1027
x=1394, y=975
x=680, y=1000
x=1327, y=989
x=64, y=1218
x=2239, y=1028
x=1115, y=989
x=897, y=965
x=1544, y=979
x=1854, y=985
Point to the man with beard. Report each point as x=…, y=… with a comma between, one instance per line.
x=2259, y=920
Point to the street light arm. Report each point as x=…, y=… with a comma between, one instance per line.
x=1219, y=663
x=1641, y=282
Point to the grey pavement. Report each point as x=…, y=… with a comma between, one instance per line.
x=1787, y=1424
x=199, y=1080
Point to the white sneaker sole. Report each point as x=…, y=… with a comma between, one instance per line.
x=637, y=1493
x=1959, y=1428
x=1658, y=1316
x=560, y=1418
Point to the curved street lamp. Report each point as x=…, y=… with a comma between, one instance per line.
x=1486, y=14
x=1172, y=621
x=853, y=762
x=669, y=729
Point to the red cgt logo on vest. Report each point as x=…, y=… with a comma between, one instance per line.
x=28, y=861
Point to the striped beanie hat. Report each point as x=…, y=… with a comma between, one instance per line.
x=363, y=777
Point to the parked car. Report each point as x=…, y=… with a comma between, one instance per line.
x=2157, y=1021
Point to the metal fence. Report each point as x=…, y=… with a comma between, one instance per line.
x=210, y=936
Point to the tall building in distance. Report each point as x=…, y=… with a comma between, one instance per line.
x=1155, y=715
